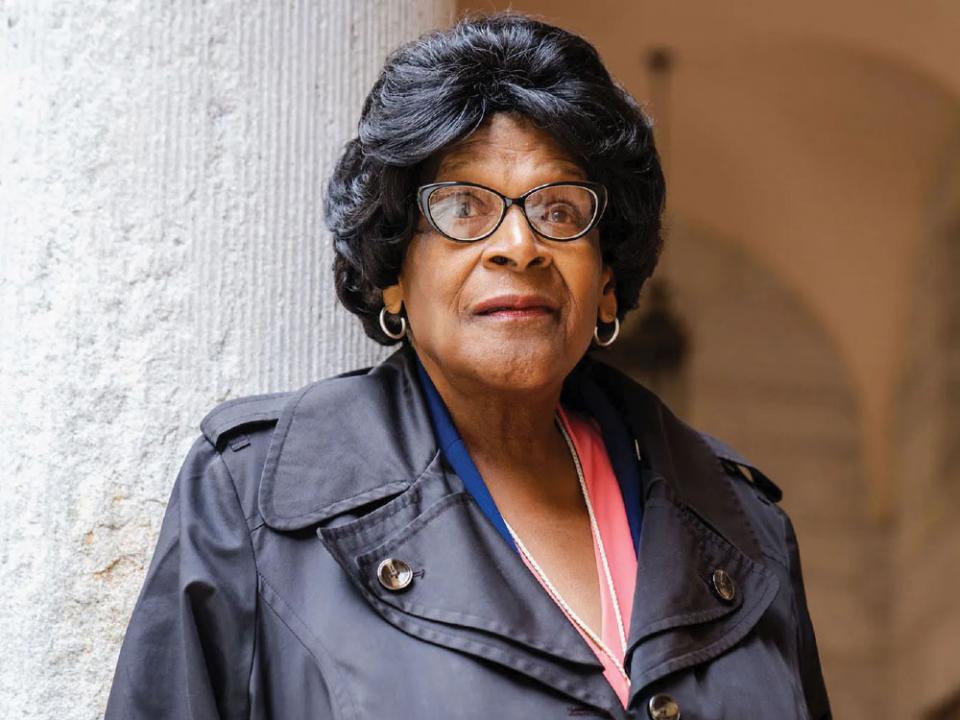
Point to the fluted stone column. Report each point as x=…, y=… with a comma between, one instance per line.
x=161, y=249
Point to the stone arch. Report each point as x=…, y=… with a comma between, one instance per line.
x=926, y=442
x=763, y=374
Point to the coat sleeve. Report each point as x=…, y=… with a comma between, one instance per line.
x=188, y=650
x=811, y=674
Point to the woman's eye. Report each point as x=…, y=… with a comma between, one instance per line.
x=560, y=213
x=466, y=206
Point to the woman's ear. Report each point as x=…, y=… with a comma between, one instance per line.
x=608, y=299
x=393, y=298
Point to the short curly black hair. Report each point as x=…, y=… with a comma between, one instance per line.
x=440, y=88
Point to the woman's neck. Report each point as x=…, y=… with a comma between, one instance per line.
x=508, y=433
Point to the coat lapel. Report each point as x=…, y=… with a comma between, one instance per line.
x=693, y=526
x=470, y=592
x=368, y=476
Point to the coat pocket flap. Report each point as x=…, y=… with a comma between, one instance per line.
x=469, y=592
x=464, y=574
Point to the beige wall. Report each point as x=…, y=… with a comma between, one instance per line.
x=810, y=135
x=812, y=153
x=926, y=620
x=789, y=406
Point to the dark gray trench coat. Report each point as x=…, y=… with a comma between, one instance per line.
x=262, y=599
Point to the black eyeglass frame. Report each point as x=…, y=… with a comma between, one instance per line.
x=598, y=189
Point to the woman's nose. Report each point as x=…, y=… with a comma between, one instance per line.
x=515, y=245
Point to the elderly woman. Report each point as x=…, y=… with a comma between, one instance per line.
x=490, y=523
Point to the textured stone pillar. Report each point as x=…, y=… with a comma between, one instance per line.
x=161, y=249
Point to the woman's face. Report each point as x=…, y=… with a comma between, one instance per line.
x=514, y=310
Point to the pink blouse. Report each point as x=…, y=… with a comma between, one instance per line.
x=603, y=491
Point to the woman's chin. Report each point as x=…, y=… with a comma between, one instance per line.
x=522, y=364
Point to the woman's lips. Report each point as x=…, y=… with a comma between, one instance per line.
x=518, y=313
x=516, y=307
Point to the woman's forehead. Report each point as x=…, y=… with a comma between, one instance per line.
x=504, y=143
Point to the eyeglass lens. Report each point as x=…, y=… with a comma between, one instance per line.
x=466, y=212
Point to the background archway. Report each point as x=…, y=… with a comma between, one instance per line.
x=925, y=625
x=762, y=373
x=818, y=139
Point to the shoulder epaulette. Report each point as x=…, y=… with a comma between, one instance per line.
x=735, y=464
x=245, y=411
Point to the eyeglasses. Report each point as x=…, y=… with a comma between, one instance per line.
x=468, y=212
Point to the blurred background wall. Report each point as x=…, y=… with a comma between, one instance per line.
x=161, y=249
x=808, y=306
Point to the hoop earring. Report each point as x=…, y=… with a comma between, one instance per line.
x=386, y=330
x=609, y=341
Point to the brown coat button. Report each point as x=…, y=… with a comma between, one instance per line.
x=724, y=586
x=663, y=707
x=394, y=574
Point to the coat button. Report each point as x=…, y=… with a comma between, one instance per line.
x=394, y=574
x=663, y=707
x=724, y=586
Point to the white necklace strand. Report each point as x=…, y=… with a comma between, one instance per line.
x=595, y=527
x=595, y=530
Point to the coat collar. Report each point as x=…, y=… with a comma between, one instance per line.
x=347, y=441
